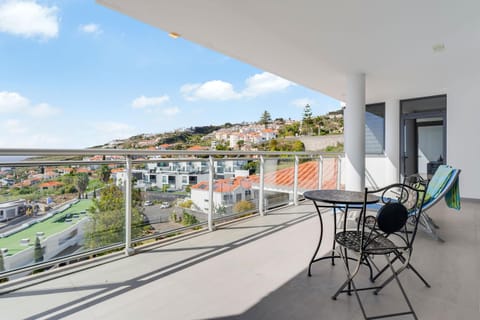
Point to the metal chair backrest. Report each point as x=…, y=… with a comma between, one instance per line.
x=398, y=202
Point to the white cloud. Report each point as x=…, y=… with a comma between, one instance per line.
x=13, y=102
x=210, y=90
x=143, y=102
x=90, y=28
x=14, y=126
x=43, y=110
x=264, y=83
x=171, y=111
x=258, y=84
x=302, y=102
x=28, y=19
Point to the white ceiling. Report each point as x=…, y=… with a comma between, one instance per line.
x=316, y=43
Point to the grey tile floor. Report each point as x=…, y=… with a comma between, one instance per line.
x=256, y=269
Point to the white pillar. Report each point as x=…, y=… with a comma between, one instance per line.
x=392, y=140
x=354, y=133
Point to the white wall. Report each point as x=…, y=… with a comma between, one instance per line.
x=463, y=124
x=377, y=171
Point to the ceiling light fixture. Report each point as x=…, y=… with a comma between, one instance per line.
x=174, y=35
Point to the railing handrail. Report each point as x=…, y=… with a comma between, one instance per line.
x=134, y=152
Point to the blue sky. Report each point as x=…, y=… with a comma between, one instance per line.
x=74, y=74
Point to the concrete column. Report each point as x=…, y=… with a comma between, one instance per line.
x=354, y=133
x=392, y=140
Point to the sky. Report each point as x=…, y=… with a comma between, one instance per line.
x=74, y=74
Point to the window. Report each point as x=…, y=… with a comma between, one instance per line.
x=248, y=194
x=184, y=179
x=238, y=197
x=375, y=128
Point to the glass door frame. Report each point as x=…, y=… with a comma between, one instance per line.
x=415, y=116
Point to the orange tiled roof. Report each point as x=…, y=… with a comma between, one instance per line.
x=307, y=176
x=197, y=148
x=225, y=185
x=49, y=184
x=83, y=170
x=116, y=170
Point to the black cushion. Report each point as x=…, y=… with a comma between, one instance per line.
x=392, y=217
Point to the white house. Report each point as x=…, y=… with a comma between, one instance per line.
x=12, y=209
x=226, y=192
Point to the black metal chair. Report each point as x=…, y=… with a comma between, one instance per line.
x=386, y=234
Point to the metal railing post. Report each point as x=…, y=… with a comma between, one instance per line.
x=211, y=208
x=339, y=172
x=128, y=207
x=320, y=172
x=261, y=194
x=295, y=182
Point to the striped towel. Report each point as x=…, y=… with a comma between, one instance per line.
x=439, y=182
x=452, y=198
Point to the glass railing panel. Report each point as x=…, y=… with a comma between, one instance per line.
x=330, y=173
x=53, y=211
x=279, y=181
x=166, y=196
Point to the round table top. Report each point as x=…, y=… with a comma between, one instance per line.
x=340, y=196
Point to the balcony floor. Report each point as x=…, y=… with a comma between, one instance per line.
x=256, y=269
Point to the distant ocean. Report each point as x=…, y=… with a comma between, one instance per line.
x=12, y=158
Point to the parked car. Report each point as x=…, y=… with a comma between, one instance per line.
x=165, y=205
x=148, y=203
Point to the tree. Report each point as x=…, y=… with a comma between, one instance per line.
x=240, y=144
x=105, y=173
x=298, y=146
x=265, y=119
x=307, y=120
x=2, y=262
x=82, y=183
x=38, y=251
x=107, y=225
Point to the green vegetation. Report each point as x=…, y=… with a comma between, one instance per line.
x=189, y=219
x=186, y=204
x=2, y=262
x=82, y=183
x=108, y=218
x=282, y=145
x=243, y=206
x=265, y=118
x=307, y=121
x=337, y=148
x=104, y=173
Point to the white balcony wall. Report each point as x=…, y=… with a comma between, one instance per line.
x=463, y=145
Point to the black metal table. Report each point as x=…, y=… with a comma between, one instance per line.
x=335, y=199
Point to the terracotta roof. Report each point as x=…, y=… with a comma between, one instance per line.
x=49, y=184
x=197, y=148
x=307, y=176
x=225, y=185
x=116, y=170
x=83, y=170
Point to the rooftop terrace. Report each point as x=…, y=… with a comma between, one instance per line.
x=256, y=269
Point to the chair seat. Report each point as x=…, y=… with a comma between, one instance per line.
x=378, y=244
